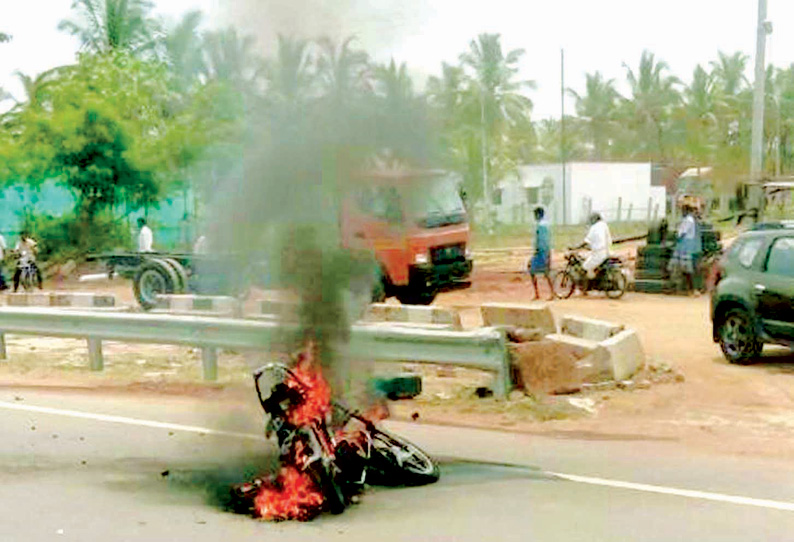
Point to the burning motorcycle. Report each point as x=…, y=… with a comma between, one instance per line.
x=325, y=463
x=610, y=277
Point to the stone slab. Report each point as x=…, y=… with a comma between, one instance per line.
x=589, y=328
x=519, y=315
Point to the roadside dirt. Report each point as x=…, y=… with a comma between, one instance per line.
x=730, y=409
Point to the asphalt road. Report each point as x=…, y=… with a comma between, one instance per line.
x=85, y=467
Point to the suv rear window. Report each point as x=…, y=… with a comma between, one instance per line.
x=747, y=251
x=781, y=257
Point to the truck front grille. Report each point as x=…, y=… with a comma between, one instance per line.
x=448, y=254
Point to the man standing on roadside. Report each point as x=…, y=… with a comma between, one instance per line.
x=685, y=248
x=145, y=237
x=540, y=264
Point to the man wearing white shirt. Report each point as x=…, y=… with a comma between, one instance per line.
x=599, y=239
x=145, y=236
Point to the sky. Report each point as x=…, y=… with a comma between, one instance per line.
x=595, y=34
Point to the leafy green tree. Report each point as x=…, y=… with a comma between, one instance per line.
x=292, y=74
x=4, y=37
x=103, y=26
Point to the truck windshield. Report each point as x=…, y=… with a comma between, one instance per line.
x=435, y=202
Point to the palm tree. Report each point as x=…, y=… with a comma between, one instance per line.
x=104, y=26
x=728, y=71
x=654, y=95
x=502, y=106
x=230, y=58
x=182, y=49
x=701, y=101
x=291, y=75
x=4, y=37
x=344, y=71
x=597, y=108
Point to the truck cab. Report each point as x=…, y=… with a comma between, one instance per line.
x=416, y=225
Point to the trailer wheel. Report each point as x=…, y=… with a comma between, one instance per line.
x=181, y=285
x=155, y=277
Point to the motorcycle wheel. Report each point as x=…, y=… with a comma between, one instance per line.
x=564, y=284
x=397, y=462
x=615, y=283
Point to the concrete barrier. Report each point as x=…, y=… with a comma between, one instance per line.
x=198, y=304
x=588, y=328
x=413, y=314
x=61, y=300
x=591, y=358
x=626, y=355
x=517, y=315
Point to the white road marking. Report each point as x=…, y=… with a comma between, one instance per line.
x=128, y=421
x=618, y=484
x=689, y=493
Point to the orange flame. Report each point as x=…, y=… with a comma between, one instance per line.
x=292, y=496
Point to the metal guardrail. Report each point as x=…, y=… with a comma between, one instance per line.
x=483, y=349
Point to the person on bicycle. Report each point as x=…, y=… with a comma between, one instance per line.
x=540, y=264
x=599, y=239
x=26, y=249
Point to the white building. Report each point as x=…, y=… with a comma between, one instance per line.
x=619, y=191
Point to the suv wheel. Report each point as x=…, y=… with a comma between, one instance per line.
x=737, y=337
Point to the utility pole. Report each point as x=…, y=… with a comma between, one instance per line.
x=756, y=150
x=486, y=193
x=562, y=133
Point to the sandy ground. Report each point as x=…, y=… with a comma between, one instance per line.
x=734, y=409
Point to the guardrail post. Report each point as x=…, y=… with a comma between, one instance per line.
x=95, y=360
x=502, y=379
x=209, y=362
x=3, y=354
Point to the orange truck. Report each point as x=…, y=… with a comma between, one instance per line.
x=416, y=225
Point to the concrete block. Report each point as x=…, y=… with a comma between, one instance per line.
x=519, y=315
x=593, y=363
x=82, y=300
x=204, y=304
x=412, y=314
x=626, y=355
x=588, y=328
x=28, y=300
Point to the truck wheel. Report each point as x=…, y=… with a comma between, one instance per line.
x=180, y=287
x=155, y=277
x=412, y=296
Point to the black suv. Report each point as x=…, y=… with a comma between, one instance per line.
x=753, y=302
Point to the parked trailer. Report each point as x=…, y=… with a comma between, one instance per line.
x=159, y=273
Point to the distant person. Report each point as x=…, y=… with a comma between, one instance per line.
x=540, y=264
x=145, y=237
x=3, y=247
x=685, y=248
x=26, y=249
x=599, y=239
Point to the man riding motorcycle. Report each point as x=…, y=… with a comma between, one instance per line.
x=26, y=250
x=599, y=240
